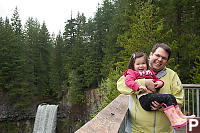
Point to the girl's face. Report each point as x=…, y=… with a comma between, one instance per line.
x=140, y=64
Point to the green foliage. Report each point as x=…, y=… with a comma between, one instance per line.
x=13, y=84
x=78, y=124
x=108, y=87
x=76, y=94
x=16, y=23
x=57, y=75
x=108, y=29
x=145, y=28
x=15, y=127
x=195, y=72
x=8, y=127
x=38, y=48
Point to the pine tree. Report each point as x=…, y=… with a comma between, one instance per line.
x=195, y=72
x=12, y=78
x=102, y=20
x=57, y=63
x=45, y=47
x=92, y=61
x=21, y=93
x=117, y=25
x=75, y=41
x=182, y=18
x=16, y=23
x=33, y=60
x=145, y=29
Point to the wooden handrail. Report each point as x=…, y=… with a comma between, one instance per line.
x=191, y=85
x=109, y=119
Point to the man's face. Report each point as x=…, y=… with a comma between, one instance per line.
x=158, y=59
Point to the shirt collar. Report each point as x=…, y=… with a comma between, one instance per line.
x=161, y=73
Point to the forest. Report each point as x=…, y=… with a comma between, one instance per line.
x=93, y=53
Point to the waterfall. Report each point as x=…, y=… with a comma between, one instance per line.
x=45, y=120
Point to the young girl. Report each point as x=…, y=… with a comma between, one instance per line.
x=138, y=69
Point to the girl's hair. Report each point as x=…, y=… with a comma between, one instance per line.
x=134, y=56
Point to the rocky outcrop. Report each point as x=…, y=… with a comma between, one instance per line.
x=10, y=113
x=93, y=100
x=70, y=116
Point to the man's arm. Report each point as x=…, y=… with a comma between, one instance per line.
x=122, y=88
x=177, y=89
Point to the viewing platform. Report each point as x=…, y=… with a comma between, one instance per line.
x=112, y=119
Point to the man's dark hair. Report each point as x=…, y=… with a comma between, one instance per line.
x=164, y=46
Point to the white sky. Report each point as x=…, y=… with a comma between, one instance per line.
x=53, y=12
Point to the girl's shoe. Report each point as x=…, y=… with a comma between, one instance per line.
x=179, y=112
x=175, y=120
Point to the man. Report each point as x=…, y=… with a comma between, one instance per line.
x=155, y=121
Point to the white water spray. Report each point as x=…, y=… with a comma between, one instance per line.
x=45, y=120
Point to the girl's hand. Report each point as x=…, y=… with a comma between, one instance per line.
x=158, y=84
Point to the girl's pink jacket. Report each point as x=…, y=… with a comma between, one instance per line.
x=132, y=75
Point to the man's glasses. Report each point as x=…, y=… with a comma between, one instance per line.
x=159, y=56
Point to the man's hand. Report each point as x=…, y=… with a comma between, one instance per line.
x=145, y=89
x=155, y=106
x=150, y=85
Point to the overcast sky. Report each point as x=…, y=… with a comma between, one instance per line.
x=53, y=12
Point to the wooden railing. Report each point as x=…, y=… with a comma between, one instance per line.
x=109, y=119
x=112, y=119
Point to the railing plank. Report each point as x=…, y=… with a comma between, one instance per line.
x=109, y=119
x=191, y=86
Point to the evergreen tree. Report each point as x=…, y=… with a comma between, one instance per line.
x=16, y=23
x=57, y=71
x=92, y=61
x=101, y=25
x=111, y=18
x=33, y=60
x=12, y=79
x=181, y=17
x=76, y=94
x=45, y=47
x=23, y=93
x=195, y=72
x=75, y=40
x=145, y=29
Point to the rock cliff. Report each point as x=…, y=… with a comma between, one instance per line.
x=70, y=116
